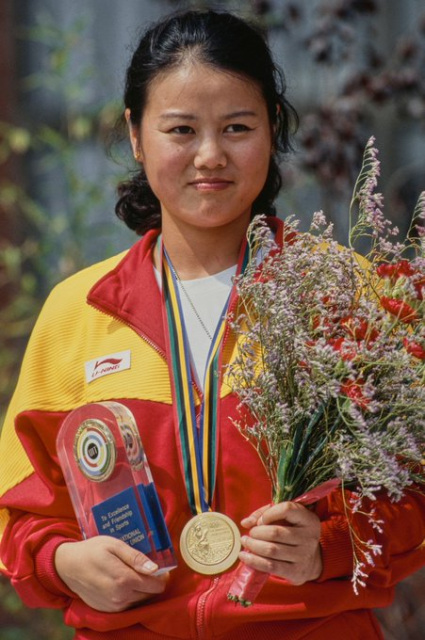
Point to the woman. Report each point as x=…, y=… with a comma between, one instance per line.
x=207, y=116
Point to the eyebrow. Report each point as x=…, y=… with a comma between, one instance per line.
x=188, y=116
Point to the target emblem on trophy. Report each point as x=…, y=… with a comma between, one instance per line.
x=95, y=450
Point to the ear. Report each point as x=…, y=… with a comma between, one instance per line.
x=134, y=135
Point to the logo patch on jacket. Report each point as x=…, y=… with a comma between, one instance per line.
x=105, y=365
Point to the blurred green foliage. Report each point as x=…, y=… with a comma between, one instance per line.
x=53, y=241
x=49, y=244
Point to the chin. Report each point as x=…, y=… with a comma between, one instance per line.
x=219, y=219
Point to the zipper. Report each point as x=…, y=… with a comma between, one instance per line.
x=154, y=346
x=200, y=609
x=116, y=316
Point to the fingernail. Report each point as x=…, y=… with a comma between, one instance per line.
x=248, y=522
x=151, y=566
x=244, y=539
x=146, y=565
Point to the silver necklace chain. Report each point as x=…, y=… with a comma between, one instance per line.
x=195, y=311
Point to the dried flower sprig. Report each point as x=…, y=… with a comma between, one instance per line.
x=331, y=362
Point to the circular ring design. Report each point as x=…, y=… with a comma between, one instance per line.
x=94, y=450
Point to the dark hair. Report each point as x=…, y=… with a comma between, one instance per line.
x=221, y=40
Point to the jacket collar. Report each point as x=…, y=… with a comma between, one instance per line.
x=130, y=291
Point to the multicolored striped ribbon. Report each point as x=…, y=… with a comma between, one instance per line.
x=197, y=432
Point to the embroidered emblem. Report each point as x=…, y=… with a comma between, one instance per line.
x=105, y=365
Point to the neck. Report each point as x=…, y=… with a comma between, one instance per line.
x=198, y=253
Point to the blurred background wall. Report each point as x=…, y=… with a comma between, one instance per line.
x=354, y=68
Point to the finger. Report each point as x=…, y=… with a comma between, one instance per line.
x=133, y=558
x=266, y=565
x=151, y=585
x=295, y=572
x=290, y=536
x=252, y=519
x=271, y=550
x=126, y=591
x=291, y=513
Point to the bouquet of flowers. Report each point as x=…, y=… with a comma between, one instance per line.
x=331, y=362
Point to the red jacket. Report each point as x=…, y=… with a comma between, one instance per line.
x=123, y=312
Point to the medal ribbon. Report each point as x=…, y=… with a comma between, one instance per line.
x=198, y=442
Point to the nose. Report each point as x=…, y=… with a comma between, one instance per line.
x=210, y=153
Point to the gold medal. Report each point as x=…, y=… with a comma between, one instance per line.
x=210, y=543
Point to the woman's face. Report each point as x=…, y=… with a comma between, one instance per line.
x=205, y=143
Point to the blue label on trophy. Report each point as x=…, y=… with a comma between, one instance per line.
x=120, y=518
x=154, y=516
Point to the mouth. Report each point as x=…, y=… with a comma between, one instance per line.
x=210, y=184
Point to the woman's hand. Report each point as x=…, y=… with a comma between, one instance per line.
x=107, y=573
x=284, y=541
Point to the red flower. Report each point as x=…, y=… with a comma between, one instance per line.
x=395, y=271
x=326, y=322
x=414, y=348
x=403, y=268
x=359, y=329
x=400, y=309
x=354, y=391
x=347, y=349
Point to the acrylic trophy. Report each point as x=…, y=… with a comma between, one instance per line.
x=109, y=480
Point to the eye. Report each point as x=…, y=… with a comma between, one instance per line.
x=237, y=128
x=182, y=130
